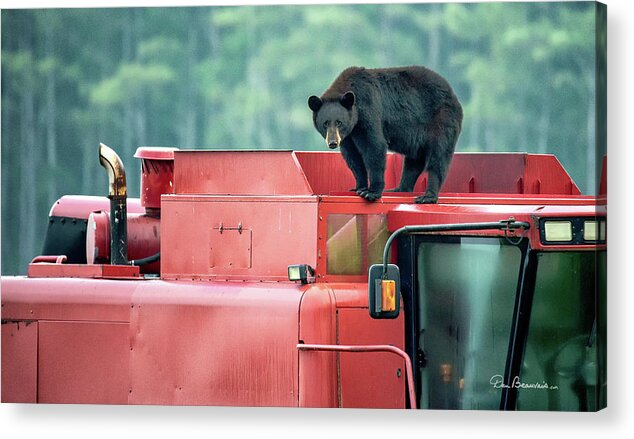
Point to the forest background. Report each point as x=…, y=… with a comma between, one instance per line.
x=239, y=77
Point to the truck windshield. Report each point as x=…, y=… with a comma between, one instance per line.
x=467, y=289
x=564, y=363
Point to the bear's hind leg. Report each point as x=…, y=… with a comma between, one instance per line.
x=440, y=155
x=433, y=186
x=436, y=172
x=412, y=168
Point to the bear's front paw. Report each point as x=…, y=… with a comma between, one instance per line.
x=427, y=199
x=370, y=195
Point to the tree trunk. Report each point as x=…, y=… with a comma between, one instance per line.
x=214, y=47
x=128, y=105
x=89, y=156
x=8, y=241
x=474, y=132
x=134, y=119
x=51, y=116
x=592, y=184
x=188, y=127
x=265, y=135
x=434, y=38
x=543, y=126
x=249, y=125
x=490, y=137
x=27, y=191
x=385, y=24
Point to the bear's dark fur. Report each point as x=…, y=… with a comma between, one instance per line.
x=409, y=110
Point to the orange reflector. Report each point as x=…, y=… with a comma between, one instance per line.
x=388, y=295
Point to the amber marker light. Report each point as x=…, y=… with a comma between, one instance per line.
x=388, y=295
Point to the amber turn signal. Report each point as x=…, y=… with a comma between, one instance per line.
x=388, y=295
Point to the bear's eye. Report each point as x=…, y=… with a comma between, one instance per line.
x=338, y=123
x=326, y=124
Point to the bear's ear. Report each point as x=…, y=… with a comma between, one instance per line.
x=347, y=100
x=314, y=103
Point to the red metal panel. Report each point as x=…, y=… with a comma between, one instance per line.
x=446, y=214
x=510, y=173
x=80, y=206
x=239, y=240
x=239, y=173
x=144, y=239
x=485, y=173
x=351, y=295
x=327, y=172
x=83, y=362
x=188, y=343
x=66, y=299
x=373, y=379
x=517, y=199
x=450, y=214
x=458, y=198
x=282, y=231
x=544, y=174
x=603, y=185
x=229, y=344
x=318, y=386
x=81, y=270
x=19, y=361
x=371, y=348
x=157, y=174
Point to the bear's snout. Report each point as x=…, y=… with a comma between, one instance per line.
x=333, y=138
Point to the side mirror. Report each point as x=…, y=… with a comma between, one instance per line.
x=384, y=292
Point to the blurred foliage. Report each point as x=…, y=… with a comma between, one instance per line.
x=239, y=77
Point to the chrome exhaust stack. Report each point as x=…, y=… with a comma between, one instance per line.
x=118, y=204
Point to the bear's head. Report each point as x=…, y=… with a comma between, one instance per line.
x=334, y=118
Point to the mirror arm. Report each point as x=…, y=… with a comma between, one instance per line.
x=506, y=225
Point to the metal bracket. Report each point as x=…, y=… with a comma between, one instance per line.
x=221, y=228
x=510, y=228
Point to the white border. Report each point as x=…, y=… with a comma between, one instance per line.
x=69, y=421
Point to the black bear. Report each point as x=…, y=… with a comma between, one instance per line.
x=409, y=110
